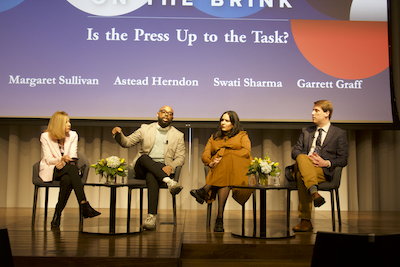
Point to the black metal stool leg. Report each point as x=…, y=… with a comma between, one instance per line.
x=333, y=210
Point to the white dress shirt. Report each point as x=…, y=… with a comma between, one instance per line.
x=325, y=130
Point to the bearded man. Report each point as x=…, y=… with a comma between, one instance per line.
x=162, y=150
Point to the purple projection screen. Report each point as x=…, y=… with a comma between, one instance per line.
x=268, y=60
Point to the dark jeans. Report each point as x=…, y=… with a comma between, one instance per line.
x=69, y=179
x=147, y=168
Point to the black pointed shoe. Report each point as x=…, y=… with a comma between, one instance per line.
x=55, y=223
x=88, y=211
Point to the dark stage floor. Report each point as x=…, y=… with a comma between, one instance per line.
x=190, y=243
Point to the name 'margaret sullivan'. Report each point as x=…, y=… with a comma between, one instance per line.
x=32, y=82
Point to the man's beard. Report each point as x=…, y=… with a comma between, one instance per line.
x=163, y=124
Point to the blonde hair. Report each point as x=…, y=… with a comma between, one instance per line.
x=325, y=105
x=56, y=126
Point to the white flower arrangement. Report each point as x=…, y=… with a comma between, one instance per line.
x=111, y=166
x=262, y=168
x=113, y=162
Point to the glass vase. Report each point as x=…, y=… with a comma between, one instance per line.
x=262, y=179
x=111, y=179
x=277, y=180
x=253, y=181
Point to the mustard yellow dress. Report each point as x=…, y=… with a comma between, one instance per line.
x=232, y=169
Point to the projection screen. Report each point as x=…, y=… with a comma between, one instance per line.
x=268, y=60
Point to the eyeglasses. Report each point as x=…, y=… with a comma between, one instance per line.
x=163, y=112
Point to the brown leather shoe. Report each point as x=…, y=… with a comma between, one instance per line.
x=318, y=200
x=303, y=226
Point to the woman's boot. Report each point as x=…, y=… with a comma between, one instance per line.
x=219, y=225
x=199, y=195
x=88, y=211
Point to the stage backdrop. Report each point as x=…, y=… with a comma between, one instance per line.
x=262, y=58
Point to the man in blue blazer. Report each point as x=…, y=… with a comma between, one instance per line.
x=319, y=150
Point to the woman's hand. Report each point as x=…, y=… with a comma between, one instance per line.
x=66, y=158
x=214, y=162
x=60, y=165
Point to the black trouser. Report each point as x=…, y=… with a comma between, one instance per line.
x=70, y=179
x=147, y=168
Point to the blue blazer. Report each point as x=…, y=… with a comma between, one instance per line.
x=335, y=147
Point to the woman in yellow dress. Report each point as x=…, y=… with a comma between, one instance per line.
x=228, y=155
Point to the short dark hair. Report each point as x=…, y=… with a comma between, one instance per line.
x=237, y=127
x=325, y=105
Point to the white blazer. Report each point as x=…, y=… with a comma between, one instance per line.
x=51, y=153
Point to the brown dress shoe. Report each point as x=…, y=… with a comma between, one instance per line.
x=303, y=226
x=318, y=200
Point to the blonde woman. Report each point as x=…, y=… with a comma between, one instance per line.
x=59, y=150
